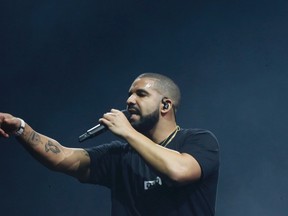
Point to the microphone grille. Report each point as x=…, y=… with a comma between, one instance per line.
x=126, y=113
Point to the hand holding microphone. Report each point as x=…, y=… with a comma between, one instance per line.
x=99, y=129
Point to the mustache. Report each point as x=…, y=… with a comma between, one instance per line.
x=133, y=109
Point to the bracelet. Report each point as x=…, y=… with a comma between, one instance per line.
x=21, y=128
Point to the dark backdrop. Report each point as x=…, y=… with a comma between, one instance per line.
x=65, y=63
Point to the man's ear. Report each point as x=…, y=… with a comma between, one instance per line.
x=166, y=103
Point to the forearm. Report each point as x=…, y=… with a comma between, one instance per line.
x=176, y=166
x=71, y=161
x=46, y=150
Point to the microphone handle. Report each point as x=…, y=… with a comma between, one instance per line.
x=98, y=129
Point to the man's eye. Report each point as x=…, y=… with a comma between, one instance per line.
x=141, y=94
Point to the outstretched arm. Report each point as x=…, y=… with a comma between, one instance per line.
x=72, y=161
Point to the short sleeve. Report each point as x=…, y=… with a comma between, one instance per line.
x=204, y=147
x=104, y=159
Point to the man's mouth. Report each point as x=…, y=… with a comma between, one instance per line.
x=134, y=111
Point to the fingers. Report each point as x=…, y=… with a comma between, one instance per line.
x=112, y=114
x=108, y=119
x=111, y=118
x=8, y=124
x=2, y=132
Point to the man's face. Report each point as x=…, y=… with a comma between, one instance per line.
x=143, y=104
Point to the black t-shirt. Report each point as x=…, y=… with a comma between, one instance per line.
x=138, y=189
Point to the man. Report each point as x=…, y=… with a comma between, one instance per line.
x=159, y=169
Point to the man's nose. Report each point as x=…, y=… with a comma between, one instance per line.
x=130, y=100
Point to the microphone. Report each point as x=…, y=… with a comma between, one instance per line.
x=99, y=129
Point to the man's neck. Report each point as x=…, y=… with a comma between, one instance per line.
x=161, y=131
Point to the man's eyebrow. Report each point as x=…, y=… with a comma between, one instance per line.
x=138, y=91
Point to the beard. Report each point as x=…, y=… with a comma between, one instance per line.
x=146, y=123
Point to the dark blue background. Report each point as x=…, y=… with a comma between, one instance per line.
x=65, y=63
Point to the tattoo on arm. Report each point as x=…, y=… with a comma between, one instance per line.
x=35, y=138
x=50, y=146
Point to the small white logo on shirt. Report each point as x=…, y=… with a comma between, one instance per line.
x=150, y=184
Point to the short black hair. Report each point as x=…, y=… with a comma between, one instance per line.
x=166, y=86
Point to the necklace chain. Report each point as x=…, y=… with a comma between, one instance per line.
x=165, y=142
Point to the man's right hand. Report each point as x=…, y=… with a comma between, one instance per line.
x=8, y=125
